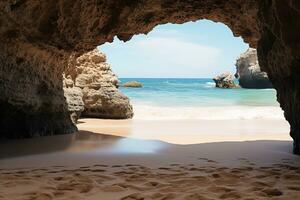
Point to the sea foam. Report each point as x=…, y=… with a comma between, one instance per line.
x=153, y=112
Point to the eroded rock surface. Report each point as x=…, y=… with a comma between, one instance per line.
x=225, y=80
x=249, y=73
x=39, y=38
x=32, y=101
x=74, y=98
x=279, y=55
x=91, y=89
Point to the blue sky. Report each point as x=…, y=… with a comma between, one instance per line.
x=191, y=50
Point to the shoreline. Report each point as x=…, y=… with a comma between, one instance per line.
x=189, y=131
x=148, y=111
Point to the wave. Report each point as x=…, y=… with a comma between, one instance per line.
x=178, y=84
x=210, y=85
x=153, y=112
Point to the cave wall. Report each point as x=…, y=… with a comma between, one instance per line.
x=31, y=101
x=81, y=25
x=279, y=56
x=39, y=37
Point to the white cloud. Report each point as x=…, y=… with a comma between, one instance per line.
x=173, y=52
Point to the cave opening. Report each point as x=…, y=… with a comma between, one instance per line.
x=49, y=76
x=176, y=65
x=265, y=25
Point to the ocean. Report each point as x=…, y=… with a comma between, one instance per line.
x=198, y=98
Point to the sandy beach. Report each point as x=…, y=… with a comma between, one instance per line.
x=91, y=165
x=189, y=131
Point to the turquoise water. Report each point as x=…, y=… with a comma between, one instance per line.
x=201, y=92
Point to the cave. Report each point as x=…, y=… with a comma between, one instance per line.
x=40, y=38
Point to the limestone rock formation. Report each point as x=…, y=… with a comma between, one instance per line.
x=91, y=89
x=40, y=38
x=225, y=80
x=248, y=71
x=74, y=97
x=132, y=84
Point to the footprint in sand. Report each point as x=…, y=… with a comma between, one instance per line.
x=215, y=175
x=208, y=160
x=219, y=189
x=97, y=170
x=196, y=197
x=231, y=195
x=132, y=165
x=272, y=192
x=164, y=168
x=40, y=196
x=113, y=188
x=291, y=177
x=153, y=184
x=260, y=184
x=295, y=188
x=97, y=165
x=116, y=166
x=163, y=196
x=246, y=161
x=135, y=196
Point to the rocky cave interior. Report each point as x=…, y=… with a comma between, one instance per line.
x=42, y=39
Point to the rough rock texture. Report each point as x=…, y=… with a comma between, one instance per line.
x=74, y=98
x=39, y=38
x=32, y=101
x=132, y=84
x=225, y=80
x=279, y=55
x=248, y=71
x=91, y=88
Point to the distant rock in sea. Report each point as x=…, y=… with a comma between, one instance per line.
x=249, y=73
x=91, y=88
x=132, y=84
x=225, y=80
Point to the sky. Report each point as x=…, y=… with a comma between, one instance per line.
x=201, y=49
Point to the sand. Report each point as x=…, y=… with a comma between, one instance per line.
x=97, y=166
x=191, y=131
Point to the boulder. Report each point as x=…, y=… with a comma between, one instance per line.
x=91, y=89
x=132, y=84
x=225, y=80
x=249, y=73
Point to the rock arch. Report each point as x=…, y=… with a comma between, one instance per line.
x=39, y=39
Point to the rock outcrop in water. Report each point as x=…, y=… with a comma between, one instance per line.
x=225, y=80
x=132, y=84
x=91, y=89
x=248, y=71
x=40, y=38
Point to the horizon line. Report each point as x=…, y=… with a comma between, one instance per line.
x=170, y=77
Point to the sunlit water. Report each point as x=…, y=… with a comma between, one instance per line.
x=171, y=98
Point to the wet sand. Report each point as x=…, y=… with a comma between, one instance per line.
x=96, y=166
